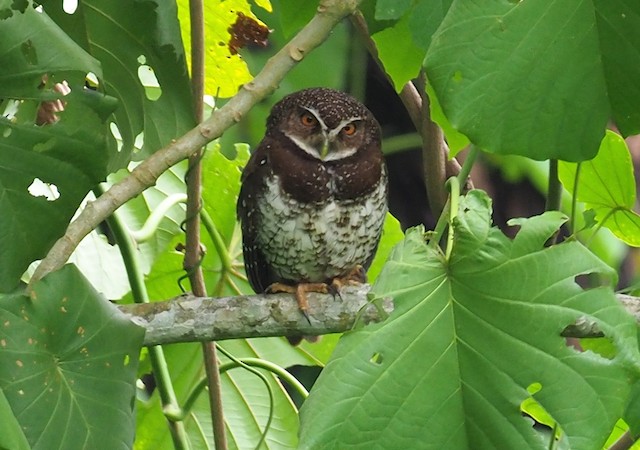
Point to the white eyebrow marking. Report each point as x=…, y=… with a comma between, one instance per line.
x=342, y=124
x=316, y=114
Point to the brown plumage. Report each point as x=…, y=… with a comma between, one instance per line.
x=314, y=195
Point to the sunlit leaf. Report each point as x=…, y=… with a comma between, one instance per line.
x=401, y=57
x=226, y=72
x=607, y=185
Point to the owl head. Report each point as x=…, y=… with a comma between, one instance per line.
x=326, y=124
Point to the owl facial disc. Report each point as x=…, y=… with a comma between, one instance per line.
x=323, y=143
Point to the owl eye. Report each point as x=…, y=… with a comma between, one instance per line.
x=349, y=129
x=307, y=119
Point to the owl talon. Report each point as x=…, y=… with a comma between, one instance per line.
x=300, y=293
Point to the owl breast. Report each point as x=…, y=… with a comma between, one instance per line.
x=317, y=241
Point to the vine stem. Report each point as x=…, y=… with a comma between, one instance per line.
x=454, y=199
x=329, y=13
x=443, y=220
x=193, y=253
x=242, y=362
x=156, y=355
x=574, y=200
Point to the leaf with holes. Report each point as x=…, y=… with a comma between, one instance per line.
x=45, y=172
x=538, y=79
x=33, y=45
x=606, y=185
x=133, y=42
x=68, y=365
x=226, y=70
x=469, y=338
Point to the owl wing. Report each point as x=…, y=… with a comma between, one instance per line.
x=253, y=184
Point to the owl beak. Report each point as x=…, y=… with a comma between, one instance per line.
x=324, y=151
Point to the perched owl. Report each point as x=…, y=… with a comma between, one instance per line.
x=313, y=196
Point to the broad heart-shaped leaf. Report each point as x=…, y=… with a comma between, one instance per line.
x=127, y=37
x=606, y=184
x=451, y=366
x=68, y=363
x=539, y=79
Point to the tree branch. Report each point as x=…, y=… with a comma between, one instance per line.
x=329, y=13
x=188, y=318
x=412, y=102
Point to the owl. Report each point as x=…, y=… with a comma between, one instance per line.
x=314, y=196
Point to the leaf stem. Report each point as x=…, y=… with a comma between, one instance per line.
x=193, y=253
x=554, y=192
x=151, y=224
x=574, y=199
x=454, y=199
x=462, y=176
x=233, y=364
x=156, y=355
x=218, y=241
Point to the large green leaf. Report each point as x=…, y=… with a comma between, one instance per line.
x=127, y=37
x=68, y=365
x=606, y=184
x=539, y=79
x=70, y=156
x=11, y=436
x=33, y=45
x=451, y=366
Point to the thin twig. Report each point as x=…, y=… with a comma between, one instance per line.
x=329, y=13
x=409, y=96
x=193, y=252
x=434, y=154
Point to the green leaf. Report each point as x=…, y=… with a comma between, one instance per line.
x=68, y=365
x=607, y=185
x=226, y=71
x=455, y=140
x=536, y=78
x=391, y=9
x=33, y=45
x=11, y=436
x=294, y=14
x=451, y=366
x=69, y=157
x=401, y=58
x=619, y=36
x=127, y=38
x=391, y=235
x=632, y=414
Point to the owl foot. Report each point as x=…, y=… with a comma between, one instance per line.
x=356, y=276
x=300, y=293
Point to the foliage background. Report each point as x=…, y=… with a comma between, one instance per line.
x=535, y=79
